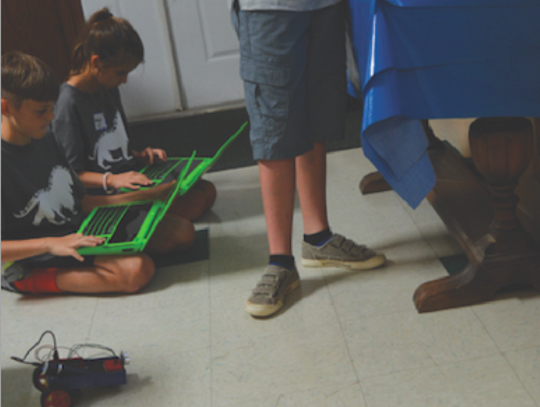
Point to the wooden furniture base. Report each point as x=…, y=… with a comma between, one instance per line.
x=373, y=182
x=479, y=282
x=478, y=205
x=481, y=215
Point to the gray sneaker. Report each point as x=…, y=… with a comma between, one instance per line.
x=11, y=273
x=341, y=252
x=267, y=297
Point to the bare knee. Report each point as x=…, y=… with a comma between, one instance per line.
x=173, y=233
x=134, y=273
x=184, y=234
x=195, y=202
x=210, y=192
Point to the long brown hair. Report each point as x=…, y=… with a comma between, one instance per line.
x=27, y=77
x=113, y=39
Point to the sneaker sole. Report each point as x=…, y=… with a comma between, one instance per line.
x=258, y=310
x=374, y=262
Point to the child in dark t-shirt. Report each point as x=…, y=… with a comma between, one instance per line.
x=44, y=202
x=90, y=123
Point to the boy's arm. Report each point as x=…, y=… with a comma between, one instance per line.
x=130, y=179
x=89, y=202
x=13, y=250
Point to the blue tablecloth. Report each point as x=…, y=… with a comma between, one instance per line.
x=428, y=59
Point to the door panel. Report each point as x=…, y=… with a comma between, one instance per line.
x=207, y=52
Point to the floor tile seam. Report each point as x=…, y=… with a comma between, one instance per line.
x=343, y=336
x=168, y=349
x=217, y=287
x=303, y=390
x=210, y=322
x=157, y=308
x=436, y=366
x=420, y=225
x=256, y=269
x=366, y=378
x=529, y=347
x=517, y=375
x=351, y=362
x=280, y=334
x=371, y=316
x=468, y=359
x=424, y=237
x=486, y=330
x=92, y=319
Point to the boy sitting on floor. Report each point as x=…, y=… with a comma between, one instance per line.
x=43, y=200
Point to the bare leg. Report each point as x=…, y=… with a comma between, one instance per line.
x=110, y=274
x=172, y=234
x=311, y=185
x=195, y=202
x=277, y=186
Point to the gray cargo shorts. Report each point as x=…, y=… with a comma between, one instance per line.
x=293, y=67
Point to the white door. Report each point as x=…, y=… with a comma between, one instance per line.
x=207, y=52
x=191, y=55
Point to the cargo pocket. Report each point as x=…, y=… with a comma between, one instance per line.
x=266, y=88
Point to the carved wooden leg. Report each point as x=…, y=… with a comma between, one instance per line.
x=506, y=255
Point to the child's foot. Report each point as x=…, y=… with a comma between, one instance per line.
x=13, y=272
x=341, y=252
x=267, y=297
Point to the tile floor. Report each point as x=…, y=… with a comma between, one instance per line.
x=344, y=339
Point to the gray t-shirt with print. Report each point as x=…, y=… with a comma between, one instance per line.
x=91, y=129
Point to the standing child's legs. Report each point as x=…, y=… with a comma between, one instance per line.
x=295, y=106
x=277, y=187
x=279, y=178
x=274, y=48
x=311, y=185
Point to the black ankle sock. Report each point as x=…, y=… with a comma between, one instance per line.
x=317, y=238
x=282, y=260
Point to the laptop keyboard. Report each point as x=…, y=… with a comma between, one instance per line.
x=131, y=223
x=104, y=221
x=158, y=171
x=122, y=222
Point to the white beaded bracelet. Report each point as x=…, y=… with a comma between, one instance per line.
x=107, y=190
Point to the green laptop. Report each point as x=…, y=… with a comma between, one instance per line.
x=168, y=170
x=127, y=227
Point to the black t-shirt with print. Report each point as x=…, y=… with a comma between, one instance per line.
x=92, y=130
x=41, y=194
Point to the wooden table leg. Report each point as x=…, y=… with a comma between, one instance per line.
x=503, y=254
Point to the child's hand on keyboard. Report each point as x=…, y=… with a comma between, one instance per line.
x=67, y=245
x=130, y=180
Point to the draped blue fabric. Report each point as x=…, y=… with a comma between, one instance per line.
x=429, y=59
